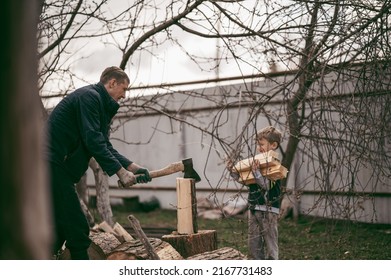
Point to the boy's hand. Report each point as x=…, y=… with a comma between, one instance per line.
x=256, y=165
x=230, y=167
x=229, y=164
x=256, y=169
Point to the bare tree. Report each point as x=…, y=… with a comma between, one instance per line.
x=24, y=197
x=329, y=46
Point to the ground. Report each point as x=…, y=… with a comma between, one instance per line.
x=308, y=238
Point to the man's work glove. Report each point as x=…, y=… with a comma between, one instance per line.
x=126, y=178
x=143, y=175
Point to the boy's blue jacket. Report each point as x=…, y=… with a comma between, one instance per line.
x=78, y=129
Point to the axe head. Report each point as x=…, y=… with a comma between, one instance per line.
x=189, y=171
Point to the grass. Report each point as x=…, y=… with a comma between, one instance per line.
x=308, y=238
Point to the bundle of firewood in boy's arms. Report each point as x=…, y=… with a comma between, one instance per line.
x=270, y=165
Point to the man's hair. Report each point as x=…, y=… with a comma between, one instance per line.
x=271, y=134
x=114, y=72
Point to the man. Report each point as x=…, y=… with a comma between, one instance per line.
x=78, y=129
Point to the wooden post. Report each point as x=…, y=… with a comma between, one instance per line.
x=143, y=238
x=187, y=206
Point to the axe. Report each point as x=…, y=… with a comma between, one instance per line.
x=185, y=165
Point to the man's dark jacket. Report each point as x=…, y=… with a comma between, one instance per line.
x=78, y=129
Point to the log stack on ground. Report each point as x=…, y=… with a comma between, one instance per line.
x=107, y=246
x=198, y=246
x=117, y=244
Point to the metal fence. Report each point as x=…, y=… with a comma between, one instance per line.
x=164, y=127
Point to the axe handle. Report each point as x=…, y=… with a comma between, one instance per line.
x=168, y=170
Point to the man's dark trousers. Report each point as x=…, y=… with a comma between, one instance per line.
x=69, y=220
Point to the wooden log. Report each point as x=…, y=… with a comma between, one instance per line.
x=135, y=250
x=192, y=244
x=143, y=238
x=290, y=205
x=224, y=253
x=186, y=206
x=105, y=241
x=102, y=244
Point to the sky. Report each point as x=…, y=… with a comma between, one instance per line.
x=169, y=64
x=164, y=65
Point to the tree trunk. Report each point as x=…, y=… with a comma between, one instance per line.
x=24, y=197
x=87, y=213
x=102, y=193
x=81, y=188
x=295, y=114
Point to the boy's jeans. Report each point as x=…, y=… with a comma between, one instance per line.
x=263, y=235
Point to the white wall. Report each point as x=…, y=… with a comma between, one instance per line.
x=154, y=140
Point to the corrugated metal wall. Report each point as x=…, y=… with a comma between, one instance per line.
x=145, y=134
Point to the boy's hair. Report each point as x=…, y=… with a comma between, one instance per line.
x=271, y=134
x=114, y=72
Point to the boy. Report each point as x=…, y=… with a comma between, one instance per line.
x=264, y=202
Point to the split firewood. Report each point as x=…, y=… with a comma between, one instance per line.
x=270, y=167
x=265, y=159
x=186, y=206
x=104, y=226
x=274, y=172
x=119, y=230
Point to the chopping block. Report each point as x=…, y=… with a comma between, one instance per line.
x=187, y=239
x=270, y=167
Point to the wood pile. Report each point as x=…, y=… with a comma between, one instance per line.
x=117, y=244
